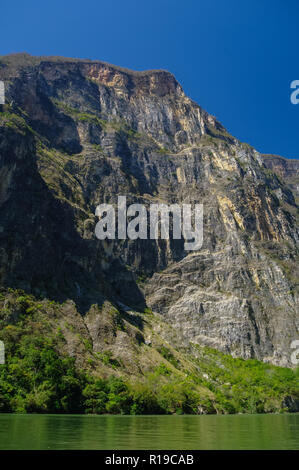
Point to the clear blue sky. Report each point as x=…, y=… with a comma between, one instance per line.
x=236, y=58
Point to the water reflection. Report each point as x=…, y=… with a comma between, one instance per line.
x=149, y=432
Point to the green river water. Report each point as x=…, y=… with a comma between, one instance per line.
x=149, y=432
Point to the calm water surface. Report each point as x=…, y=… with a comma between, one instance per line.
x=149, y=432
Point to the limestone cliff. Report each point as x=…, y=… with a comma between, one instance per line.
x=76, y=133
x=285, y=168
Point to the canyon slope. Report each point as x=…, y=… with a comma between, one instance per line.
x=285, y=168
x=78, y=133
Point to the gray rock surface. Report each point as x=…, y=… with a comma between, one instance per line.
x=74, y=134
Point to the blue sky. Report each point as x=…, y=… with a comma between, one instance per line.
x=236, y=58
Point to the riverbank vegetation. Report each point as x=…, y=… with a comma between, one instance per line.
x=38, y=377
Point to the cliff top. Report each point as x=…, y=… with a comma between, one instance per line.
x=23, y=59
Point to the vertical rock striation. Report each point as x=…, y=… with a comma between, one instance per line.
x=76, y=133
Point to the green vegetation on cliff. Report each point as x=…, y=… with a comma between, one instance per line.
x=40, y=375
x=113, y=323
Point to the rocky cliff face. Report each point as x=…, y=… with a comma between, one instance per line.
x=287, y=169
x=76, y=133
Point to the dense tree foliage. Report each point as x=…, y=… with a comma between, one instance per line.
x=38, y=377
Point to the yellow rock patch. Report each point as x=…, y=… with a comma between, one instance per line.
x=226, y=204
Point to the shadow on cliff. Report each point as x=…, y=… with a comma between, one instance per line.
x=41, y=252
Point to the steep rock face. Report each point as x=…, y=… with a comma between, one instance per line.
x=287, y=169
x=75, y=134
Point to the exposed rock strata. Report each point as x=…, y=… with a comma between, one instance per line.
x=76, y=133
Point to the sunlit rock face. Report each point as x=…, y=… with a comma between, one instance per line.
x=285, y=168
x=76, y=133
